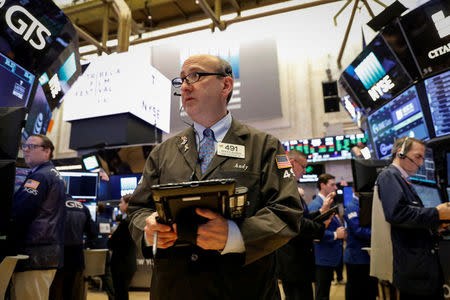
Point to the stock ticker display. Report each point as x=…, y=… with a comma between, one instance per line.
x=438, y=94
x=328, y=148
x=402, y=116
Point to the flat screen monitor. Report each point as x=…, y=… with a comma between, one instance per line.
x=313, y=172
x=365, y=173
x=39, y=115
x=21, y=175
x=448, y=193
x=328, y=148
x=122, y=185
x=438, y=94
x=402, y=116
x=347, y=192
x=16, y=83
x=428, y=33
x=90, y=162
x=376, y=75
x=81, y=185
x=429, y=195
x=426, y=173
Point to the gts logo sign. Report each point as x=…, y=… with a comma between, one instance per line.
x=26, y=25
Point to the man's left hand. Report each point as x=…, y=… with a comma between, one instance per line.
x=212, y=235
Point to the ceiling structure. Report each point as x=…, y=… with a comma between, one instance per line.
x=100, y=21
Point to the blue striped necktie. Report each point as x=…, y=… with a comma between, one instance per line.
x=206, y=150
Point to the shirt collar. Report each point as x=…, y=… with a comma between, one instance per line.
x=220, y=128
x=402, y=171
x=322, y=196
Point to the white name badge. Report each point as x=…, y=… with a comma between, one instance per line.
x=231, y=150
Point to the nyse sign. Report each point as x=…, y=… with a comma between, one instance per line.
x=381, y=87
x=25, y=24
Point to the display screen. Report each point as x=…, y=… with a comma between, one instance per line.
x=122, y=185
x=347, y=192
x=402, y=116
x=426, y=172
x=448, y=169
x=81, y=185
x=90, y=162
x=429, y=195
x=16, y=83
x=92, y=206
x=376, y=76
x=328, y=148
x=21, y=175
x=438, y=94
x=39, y=116
x=312, y=173
x=428, y=32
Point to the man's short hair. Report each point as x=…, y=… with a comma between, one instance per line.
x=294, y=153
x=223, y=67
x=101, y=208
x=46, y=143
x=323, y=178
x=398, y=144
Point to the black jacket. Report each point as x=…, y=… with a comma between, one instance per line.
x=123, y=258
x=295, y=260
x=416, y=263
x=38, y=219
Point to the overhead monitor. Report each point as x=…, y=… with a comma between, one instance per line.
x=122, y=185
x=81, y=185
x=365, y=173
x=429, y=195
x=16, y=83
x=428, y=32
x=39, y=115
x=426, y=173
x=438, y=94
x=313, y=171
x=402, y=116
x=376, y=75
x=328, y=148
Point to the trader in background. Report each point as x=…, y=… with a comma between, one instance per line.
x=328, y=251
x=295, y=260
x=230, y=260
x=416, y=270
x=69, y=281
x=38, y=222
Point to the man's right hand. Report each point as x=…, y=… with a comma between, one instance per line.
x=340, y=233
x=166, y=236
x=444, y=211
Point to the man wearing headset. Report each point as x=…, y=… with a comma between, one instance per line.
x=416, y=270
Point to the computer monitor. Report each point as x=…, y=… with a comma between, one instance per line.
x=438, y=94
x=400, y=117
x=90, y=162
x=347, y=192
x=16, y=83
x=429, y=195
x=365, y=173
x=426, y=173
x=11, y=123
x=39, y=115
x=448, y=168
x=81, y=185
x=448, y=193
x=122, y=185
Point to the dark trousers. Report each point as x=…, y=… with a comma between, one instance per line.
x=439, y=295
x=121, y=280
x=360, y=286
x=324, y=276
x=298, y=290
x=339, y=269
x=67, y=285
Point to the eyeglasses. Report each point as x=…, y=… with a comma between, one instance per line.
x=193, y=78
x=31, y=146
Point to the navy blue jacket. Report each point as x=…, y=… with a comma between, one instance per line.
x=416, y=264
x=357, y=237
x=295, y=260
x=38, y=219
x=78, y=221
x=328, y=251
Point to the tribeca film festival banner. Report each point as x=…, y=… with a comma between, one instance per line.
x=256, y=92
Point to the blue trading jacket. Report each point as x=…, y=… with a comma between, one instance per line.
x=38, y=219
x=328, y=251
x=357, y=238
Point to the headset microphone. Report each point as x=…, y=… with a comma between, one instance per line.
x=412, y=161
x=176, y=94
x=402, y=153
